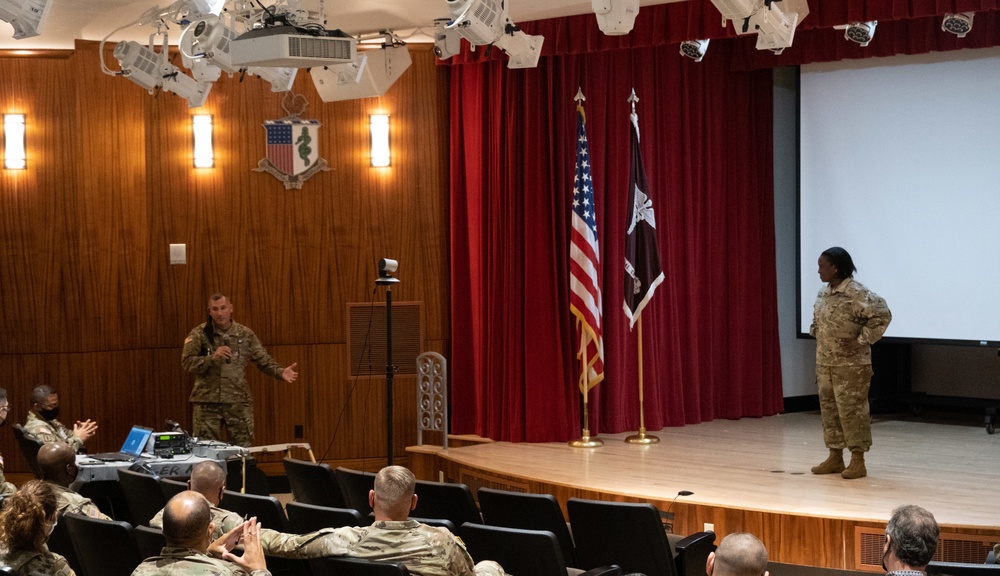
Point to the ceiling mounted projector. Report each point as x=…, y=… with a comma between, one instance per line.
x=24, y=15
x=287, y=46
x=615, y=17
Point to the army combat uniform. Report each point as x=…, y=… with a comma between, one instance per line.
x=190, y=562
x=847, y=320
x=36, y=562
x=225, y=520
x=425, y=550
x=220, y=387
x=51, y=431
x=6, y=488
x=72, y=503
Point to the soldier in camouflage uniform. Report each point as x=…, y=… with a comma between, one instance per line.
x=209, y=480
x=6, y=488
x=25, y=523
x=847, y=319
x=42, y=424
x=57, y=463
x=217, y=353
x=190, y=551
x=425, y=550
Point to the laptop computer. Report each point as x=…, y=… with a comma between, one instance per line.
x=132, y=448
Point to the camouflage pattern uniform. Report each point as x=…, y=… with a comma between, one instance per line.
x=225, y=520
x=847, y=320
x=6, y=488
x=31, y=562
x=425, y=550
x=71, y=502
x=51, y=431
x=190, y=562
x=220, y=388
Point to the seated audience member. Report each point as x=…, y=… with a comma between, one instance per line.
x=209, y=480
x=6, y=488
x=42, y=424
x=739, y=554
x=190, y=550
x=911, y=538
x=425, y=550
x=57, y=463
x=26, y=521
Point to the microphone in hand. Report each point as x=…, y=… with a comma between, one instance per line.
x=225, y=342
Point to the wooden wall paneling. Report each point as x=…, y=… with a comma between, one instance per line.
x=91, y=305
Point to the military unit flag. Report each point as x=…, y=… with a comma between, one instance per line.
x=642, y=256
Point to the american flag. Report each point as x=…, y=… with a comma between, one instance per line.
x=279, y=147
x=584, y=267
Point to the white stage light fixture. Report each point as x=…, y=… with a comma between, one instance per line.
x=150, y=69
x=861, y=32
x=24, y=15
x=958, y=24
x=694, y=49
x=447, y=42
x=481, y=22
x=524, y=50
x=281, y=79
x=381, y=69
x=615, y=17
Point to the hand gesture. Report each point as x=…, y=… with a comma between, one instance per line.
x=289, y=374
x=223, y=353
x=253, y=552
x=227, y=541
x=85, y=430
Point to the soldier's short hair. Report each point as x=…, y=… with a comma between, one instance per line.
x=913, y=535
x=185, y=519
x=207, y=477
x=842, y=260
x=216, y=296
x=740, y=554
x=394, y=486
x=41, y=393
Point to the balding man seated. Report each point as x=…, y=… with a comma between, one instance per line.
x=42, y=423
x=425, y=550
x=739, y=554
x=57, y=463
x=209, y=480
x=190, y=550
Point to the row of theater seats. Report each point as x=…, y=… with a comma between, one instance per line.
x=525, y=533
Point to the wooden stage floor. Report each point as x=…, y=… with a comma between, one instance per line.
x=753, y=475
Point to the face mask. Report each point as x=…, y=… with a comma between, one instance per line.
x=53, y=527
x=49, y=414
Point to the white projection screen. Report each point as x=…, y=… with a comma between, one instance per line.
x=900, y=165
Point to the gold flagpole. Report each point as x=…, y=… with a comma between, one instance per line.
x=641, y=437
x=585, y=440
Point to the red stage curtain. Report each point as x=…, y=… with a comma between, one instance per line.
x=710, y=332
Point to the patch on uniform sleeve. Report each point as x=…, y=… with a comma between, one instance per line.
x=46, y=430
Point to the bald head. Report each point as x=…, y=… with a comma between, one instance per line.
x=209, y=480
x=187, y=520
x=739, y=554
x=57, y=463
x=392, y=497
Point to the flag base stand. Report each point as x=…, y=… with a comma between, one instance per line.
x=586, y=441
x=642, y=438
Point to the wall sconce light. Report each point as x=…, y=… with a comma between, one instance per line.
x=380, y=140
x=204, y=149
x=14, y=157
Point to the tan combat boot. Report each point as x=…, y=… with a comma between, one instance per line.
x=833, y=464
x=857, y=468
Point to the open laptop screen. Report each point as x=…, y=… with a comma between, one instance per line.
x=136, y=440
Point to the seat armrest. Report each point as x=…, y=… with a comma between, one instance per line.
x=693, y=551
x=612, y=570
